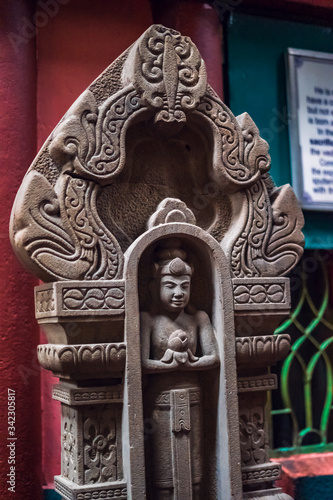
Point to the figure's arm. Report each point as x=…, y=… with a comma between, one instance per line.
x=208, y=343
x=151, y=365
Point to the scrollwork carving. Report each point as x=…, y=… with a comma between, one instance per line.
x=90, y=140
x=240, y=156
x=253, y=439
x=100, y=446
x=261, y=294
x=69, y=444
x=270, y=242
x=100, y=298
x=171, y=73
x=61, y=236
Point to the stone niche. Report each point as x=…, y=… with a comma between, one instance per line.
x=163, y=244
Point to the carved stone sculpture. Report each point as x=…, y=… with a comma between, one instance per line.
x=163, y=243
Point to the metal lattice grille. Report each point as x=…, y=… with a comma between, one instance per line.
x=301, y=410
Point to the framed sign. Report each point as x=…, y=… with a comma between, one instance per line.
x=310, y=105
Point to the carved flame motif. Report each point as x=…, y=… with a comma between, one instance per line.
x=172, y=74
x=270, y=242
x=90, y=140
x=61, y=237
x=240, y=155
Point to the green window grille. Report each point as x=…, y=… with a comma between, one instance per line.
x=301, y=409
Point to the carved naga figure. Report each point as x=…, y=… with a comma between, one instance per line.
x=163, y=379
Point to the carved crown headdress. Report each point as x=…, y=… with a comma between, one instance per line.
x=172, y=261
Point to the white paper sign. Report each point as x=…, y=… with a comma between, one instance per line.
x=311, y=127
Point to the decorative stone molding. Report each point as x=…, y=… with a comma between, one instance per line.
x=82, y=359
x=262, y=351
x=84, y=396
x=76, y=299
x=259, y=473
x=263, y=294
x=70, y=491
x=257, y=383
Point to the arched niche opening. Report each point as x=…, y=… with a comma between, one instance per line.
x=217, y=434
x=157, y=166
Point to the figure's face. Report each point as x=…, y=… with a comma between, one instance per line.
x=175, y=292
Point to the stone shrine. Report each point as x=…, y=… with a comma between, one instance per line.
x=163, y=243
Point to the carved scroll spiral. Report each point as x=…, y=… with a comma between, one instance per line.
x=240, y=156
x=270, y=242
x=172, y=74
x=90, y=140
x=61, y=236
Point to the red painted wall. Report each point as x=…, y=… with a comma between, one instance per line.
x=18, y=331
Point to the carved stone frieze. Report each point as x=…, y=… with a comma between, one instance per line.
x=69, y=462
x=78, y=396
x=63, y=236
x=261, y=294
x=83, y=359
x=71, y=491
x=100, y=445
x=270, y=241
x=260, y=473
x=263, y=350
x=257, y=383
x=253, y=438
x=80, y=299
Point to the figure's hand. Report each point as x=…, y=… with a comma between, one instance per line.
x=190, y=359
x=171, y=357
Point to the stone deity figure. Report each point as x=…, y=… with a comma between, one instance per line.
x=177, y=342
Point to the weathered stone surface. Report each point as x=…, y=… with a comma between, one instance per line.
x=164, y=244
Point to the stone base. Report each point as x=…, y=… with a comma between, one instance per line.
x=271, y=494
x=72, y=491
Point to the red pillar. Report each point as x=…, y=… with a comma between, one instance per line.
x=19, y=332
x=199, y=21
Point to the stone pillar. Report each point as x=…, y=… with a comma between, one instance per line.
x=19, y=331
x=260, y=305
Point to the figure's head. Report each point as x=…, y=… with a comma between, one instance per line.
x=173, y=277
